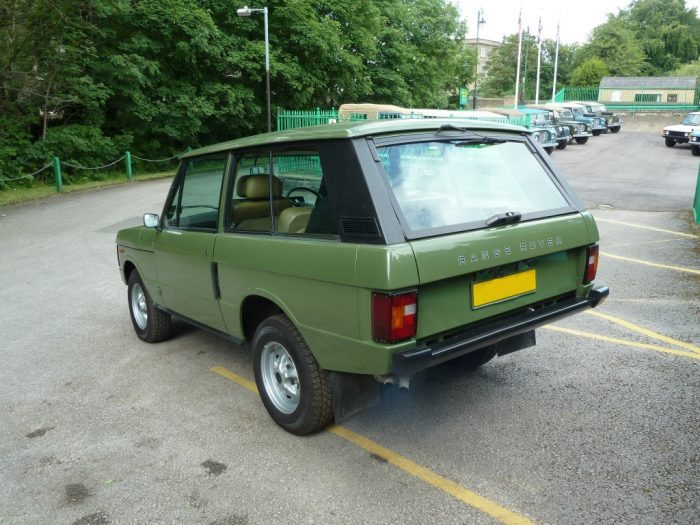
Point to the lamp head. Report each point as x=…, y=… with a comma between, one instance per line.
x=244, y=11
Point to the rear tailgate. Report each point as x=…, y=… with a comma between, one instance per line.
x=479, y=274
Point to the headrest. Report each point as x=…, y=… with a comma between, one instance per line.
x=258, y=187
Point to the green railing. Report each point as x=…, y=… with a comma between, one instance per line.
x=291, y=119
x=299, y=118
x=688, y=101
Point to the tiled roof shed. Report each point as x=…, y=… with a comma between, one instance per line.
x=688, y=83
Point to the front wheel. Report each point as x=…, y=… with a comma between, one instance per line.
x=150, y=322
x=597, y=132
x=581, y=140
x=696, y=152
x=562, y=144
x=670, y=143
x=549, y=149
x=293, y=387
x=615, y=129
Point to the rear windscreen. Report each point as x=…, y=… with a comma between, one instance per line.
x=449, y=183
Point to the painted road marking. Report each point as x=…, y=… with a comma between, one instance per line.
x=443, y=484
x=689, y=235
x=644, y=331
x=647, y=263
x=614, y=340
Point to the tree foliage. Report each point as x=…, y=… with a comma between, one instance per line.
x=87, y=79
x=589, y=73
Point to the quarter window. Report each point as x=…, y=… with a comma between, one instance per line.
x=281, y=191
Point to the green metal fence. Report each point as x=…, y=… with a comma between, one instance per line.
x=291, y=119
x=646, y=101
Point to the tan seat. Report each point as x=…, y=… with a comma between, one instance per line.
x=294, y=220
x=252, y=211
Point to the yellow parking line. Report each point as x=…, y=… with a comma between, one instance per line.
x=644, y=331
x=643, y=346
x=445, y=485
x=239, y=380
x=689, y=235
x=455, y=490
x=647, y=263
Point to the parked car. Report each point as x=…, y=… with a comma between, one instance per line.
x=596, y=109
x=680, y=133
x=579, y=131
x=695, y=143
x=598, y=125
x=352, y=255
x=546, y=135
x=541, y=118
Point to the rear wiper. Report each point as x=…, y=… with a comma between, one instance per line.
x=510, y=217
x=481, y=139
x=452, y=127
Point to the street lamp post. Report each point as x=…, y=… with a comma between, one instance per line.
x=479, y=20
x=247, y=11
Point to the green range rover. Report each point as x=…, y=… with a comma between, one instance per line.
x=354, y=255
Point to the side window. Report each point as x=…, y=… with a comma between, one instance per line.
x=195, y=203
x=281, y=191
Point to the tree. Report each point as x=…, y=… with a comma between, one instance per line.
x=616, y=44
x=500, y=80
x=668, y=32
x=589, y=73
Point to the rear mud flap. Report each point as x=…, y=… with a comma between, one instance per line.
x=353, y=393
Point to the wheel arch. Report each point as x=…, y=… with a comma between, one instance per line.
x=127, y=268
x=254, y=310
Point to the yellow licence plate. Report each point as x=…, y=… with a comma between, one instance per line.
x=502, y=288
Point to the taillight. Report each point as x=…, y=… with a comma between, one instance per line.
x=394, y=316
x=591, y=264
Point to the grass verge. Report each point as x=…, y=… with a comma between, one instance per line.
x=19, y=195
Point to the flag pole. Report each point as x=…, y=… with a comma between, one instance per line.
x=539, y=57
x=520, y=47
x=556, y=64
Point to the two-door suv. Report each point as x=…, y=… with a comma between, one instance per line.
x=352, y=255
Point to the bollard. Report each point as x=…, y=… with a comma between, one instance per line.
x=127, y=164
x=696, y=202
x=57, y=174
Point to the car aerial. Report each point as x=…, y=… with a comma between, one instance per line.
x=540, y=118
x=580, y=132
x=356, y=254
x=680, y=133
x=695, y=143
x=545, y=135
x=597, y=109
x=598, y=125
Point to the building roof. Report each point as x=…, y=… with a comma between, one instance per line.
x=648, y=83
x=482, y=42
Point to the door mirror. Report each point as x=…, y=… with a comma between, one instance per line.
x=151, y=220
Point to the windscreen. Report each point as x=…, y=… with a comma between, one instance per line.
x=449, y=183
x=692, y=119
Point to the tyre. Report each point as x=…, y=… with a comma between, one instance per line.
x=696, y=151
x=150, y=323
x=615, y=129
x=597, y=132
x=475, y=359
x=562, y=144
x=549, y=149
x=294, y=389
x=581, y=140
x=670, y=143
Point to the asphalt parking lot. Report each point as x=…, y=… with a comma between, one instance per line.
x=596, y=424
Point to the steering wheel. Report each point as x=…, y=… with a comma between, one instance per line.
x=304, y=188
